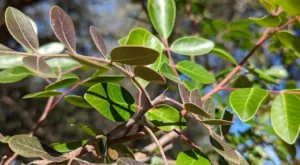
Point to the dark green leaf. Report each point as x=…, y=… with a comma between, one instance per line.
x=242, y=82
x=216, y=122
x=267, y=21
x=134, y=55
x=226, y=115
x=149, y=75
x=98, y=40
x=38, y=66
x=42, y=94
x=192, y=46
x=78, y=101
x=190, y=107
x=62, y=83
x=104, y=79
x=67, y=147
x=162, y=14
x=167, y=71
x=6, y=76
x=21, y=29
x=195, y=71
x=63, y=27
x=192, y=157
x=290, y=41
x=166, y=118
x=112, y=101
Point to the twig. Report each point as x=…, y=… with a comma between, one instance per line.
x=166, y=43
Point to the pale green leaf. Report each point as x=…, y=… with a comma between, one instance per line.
x=192, y=46
x=267, y=21
x=192, y=157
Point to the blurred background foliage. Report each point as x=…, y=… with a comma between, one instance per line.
x=223, y=21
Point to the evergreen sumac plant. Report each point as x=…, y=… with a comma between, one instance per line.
x=145, y=58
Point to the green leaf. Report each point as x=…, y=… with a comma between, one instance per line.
x=195, y=71
x=52, y=48
x=224, y=150
x=190, y=107
x=134, y=55
x=162, y=14
x=89, y=130
x=62, y=83
x=104, y=79
x=226, y=115
x=38, y=66
x=289, y=6
x=98, y=40
x=167, y=71
x=209, y=107
x=245, y=102
x=6, y=76
x=216, y=122
x=262, y=75
x=267, y=21
x=112, y=101
x=166, y=118
x=62, y=62
x=223, y=54
x=192, y=46
x=278, y=72
x=285, y=116
x=68, y=147
x=63, y=27
x=84, y=61
x=192, y=157
x=78, y=101
x=149, y=74
x=21, y=29
x=10, y=61
x=42, y=94
x=5, y=139
x=122, y=41
x=195, y=97
x=289, y=40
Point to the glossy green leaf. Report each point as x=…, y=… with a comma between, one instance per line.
x=192, y=157
x=62, y=83
x=225, y=150
x=67, y=147
x=112, y=101
x=166, y=70
x=223, y=54
x=195, y=71
x=42, y=94
x=184, y=94
x=21, y=29
x=195, y=97
x=192, y=46
x=246, y=101
x=149, y=74
x=285, y=116
x=78, y=101
x=209, y=107
x=104, y=79
x=10, y=61
x=290, y=6
x=267, y=21
x=52, y=48
x=166, y=118
x=62, y=62
x=122, y=41
x=162, y=14
x=134, y=55
x=216, y=122
x=63, y=27
x=190, y=107
x=99, y=41
x=6, y=76
x=38, y=66
x=89, y=130
x=84, y=61
x=289, y=40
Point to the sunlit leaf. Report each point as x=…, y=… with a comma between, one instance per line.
x=192, y=157
x=223, y=54
x=6, y=76
x=63, y=27
x=285, y=116
x=167, y=71
x=42, y=94
x=98, y=40
x=21, y=29
x=62, y=83
x=67, y=147
x=190, y=107
x=149, y=75
x=267, y=21
x=39, y=66
x=192, y=46
x=52, y=48
x=289, y=6
x=262, y=75
x=78, y=101
x=134, y=55
x=5, y=139
x=112, y=101
x=10, y=61
x=166, y=118
x=162, y=14
x=89, y=130
x=246, y=101
x=195, y=71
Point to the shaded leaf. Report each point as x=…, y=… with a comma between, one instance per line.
x=62, y=83
x=167, y=71
x=285, y=116
x=149, y=74
x=184, y=94
x=67, y=147
x=99, y=41
x=195, y=97
x=42, y=94
x=134, y=55
x=192, y=46
x=89, y=130
x=195, y=71
x=63, y=27
x=262, y=75
x=209, y=106
x=190, y=107
x=192, y=157
x=5, y=139
x=166, y=118
x=123, y=150
x=78, y=101
x=38, y=66
x=223, y=54
x=224, y=149
x=242, y=82
x=289, y=40
x=21, y=29
x=216, y=122
x=104, y=79
x=112, y=101
x=6, y=76
x=226, y=115
x=127, y=161
x=245, y=102
x=81, y=59
x=162, y=14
